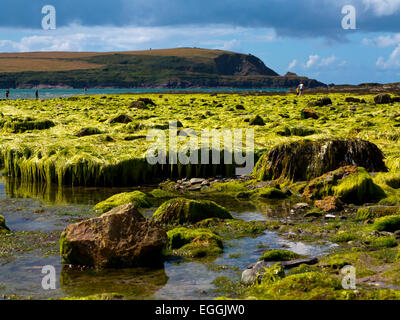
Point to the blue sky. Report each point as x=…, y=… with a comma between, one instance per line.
x=305, y=36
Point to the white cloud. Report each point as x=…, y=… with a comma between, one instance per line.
x=107, y=38
x=292, y=65
x=383, y=41
x=316, y=62
x=312, y=60
x=327, y=61
x=383, y=7
x=392, y=62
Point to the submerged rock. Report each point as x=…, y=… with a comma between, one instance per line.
x=180, y=211
x=306, y=160
x=120, y=238
x=3, y=227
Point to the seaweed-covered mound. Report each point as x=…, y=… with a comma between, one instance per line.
x=119, y=238
x=180, y=211
x=137, y=198
x=16, y=125
x=84, y=132
x=306, y=160
x=194, y=243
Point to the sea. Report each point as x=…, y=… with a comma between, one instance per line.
x=57, y=93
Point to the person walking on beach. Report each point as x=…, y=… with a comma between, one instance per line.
x=37, y=94
x=7, y=93
x=301, y=88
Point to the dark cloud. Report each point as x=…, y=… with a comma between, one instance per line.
x=306, y=18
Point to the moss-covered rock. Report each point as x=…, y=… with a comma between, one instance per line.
x=271, y=193
x=348, y=184
x=137, y=198
x=233, y=228
x=84, y=132
x=194, y=243
x=365, y=213
x=3, y=227
x=302, y=286
x=181, y=211
x=358, y=188
x=388, y=223
x=306, y=160
x=160, y=193
x=279, y=255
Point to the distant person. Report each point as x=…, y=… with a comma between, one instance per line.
x=85, y=90
x=301, y=88
x=7, y=93
x=37, y=94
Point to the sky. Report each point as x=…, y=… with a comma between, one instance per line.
x=306, y=37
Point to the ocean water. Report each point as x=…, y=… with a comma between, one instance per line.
x=56, y=93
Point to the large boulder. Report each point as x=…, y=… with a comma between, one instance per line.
x=181, y=211
x=119, y=238
x=383, y=98
x=306, y=160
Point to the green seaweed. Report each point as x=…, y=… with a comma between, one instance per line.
x=137, y=198
x=180, y=211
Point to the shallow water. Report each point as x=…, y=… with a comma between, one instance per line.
x=52, y=209
x=57, y=93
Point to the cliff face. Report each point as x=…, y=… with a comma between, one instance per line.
x=169, y=68
x=241, y=65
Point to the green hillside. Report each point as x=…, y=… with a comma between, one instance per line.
x=168, y=68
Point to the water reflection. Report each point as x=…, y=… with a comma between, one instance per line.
x=138, y=283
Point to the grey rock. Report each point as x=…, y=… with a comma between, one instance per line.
x=196, y=180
